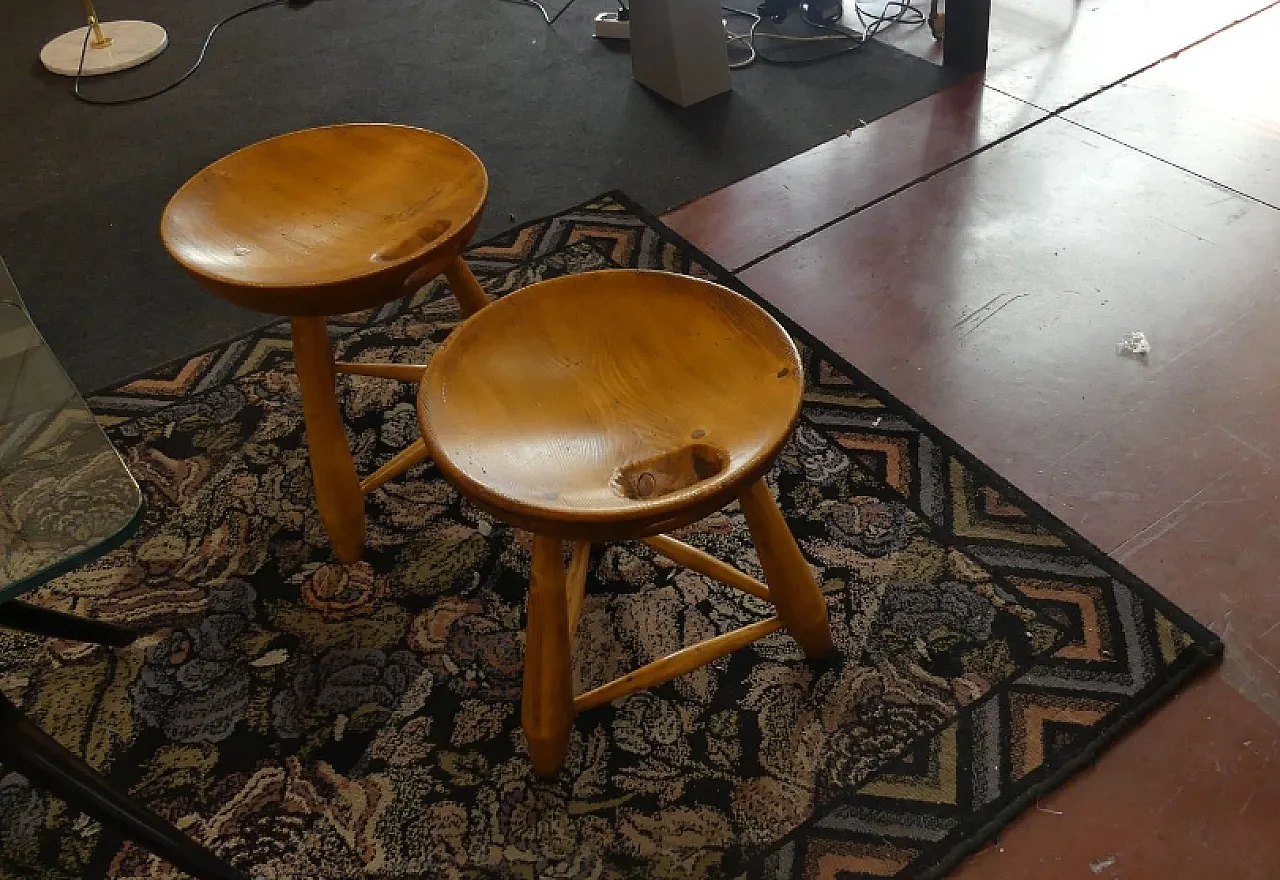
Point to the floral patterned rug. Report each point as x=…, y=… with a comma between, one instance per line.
x=306, y=719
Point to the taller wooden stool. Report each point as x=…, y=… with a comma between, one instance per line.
x=323, y=222
x=610, y=406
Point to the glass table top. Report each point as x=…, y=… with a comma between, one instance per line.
x=66, y=497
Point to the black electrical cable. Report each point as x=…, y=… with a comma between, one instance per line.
x=106, y=102
x=563, y=10
x=848, y=40
x=872, y=24
x=550, y=19
x=906, y=14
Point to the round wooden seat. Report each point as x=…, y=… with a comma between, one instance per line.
x=610, y=404
x=327, y=220
x=607, y=406
x=324, y=222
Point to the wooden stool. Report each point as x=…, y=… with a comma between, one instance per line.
x=609, y=406
x=323, y=222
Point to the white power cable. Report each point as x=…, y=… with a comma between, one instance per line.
x=536, y=5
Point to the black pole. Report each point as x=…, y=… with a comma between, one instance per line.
x=27, y=749
x=968, y=27
x=59, y=625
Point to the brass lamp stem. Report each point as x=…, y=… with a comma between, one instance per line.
x=100, y=40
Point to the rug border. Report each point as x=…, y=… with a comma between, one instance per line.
x=117, y=384
x=989, y=829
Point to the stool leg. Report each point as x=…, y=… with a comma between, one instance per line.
x=470, y=295
x=547, y=709
x=338, y=492
x=795, y=593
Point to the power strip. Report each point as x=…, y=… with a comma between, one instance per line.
x=610, y=27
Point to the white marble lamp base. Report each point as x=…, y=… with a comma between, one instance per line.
x=132, y=43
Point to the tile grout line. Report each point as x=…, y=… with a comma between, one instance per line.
x=1170, y=57
x=893, y=192
x=1207, y=179
x=1049, y=114
x=1071, y=105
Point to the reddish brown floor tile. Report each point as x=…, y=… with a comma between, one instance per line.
x=1217, y=555
x=990, y=299
x=991, y=296
x=1208, y=417
x=748, y=219
x=1191, y=795
x=1211, y=110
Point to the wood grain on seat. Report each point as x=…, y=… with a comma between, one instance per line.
x=610, y=402
x=326, y=220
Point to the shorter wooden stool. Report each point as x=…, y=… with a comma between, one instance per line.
x=324, y=222
x=611, y=406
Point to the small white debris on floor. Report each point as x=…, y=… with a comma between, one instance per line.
x=484, y=527
x=1099, y=865
x=1133, y=344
